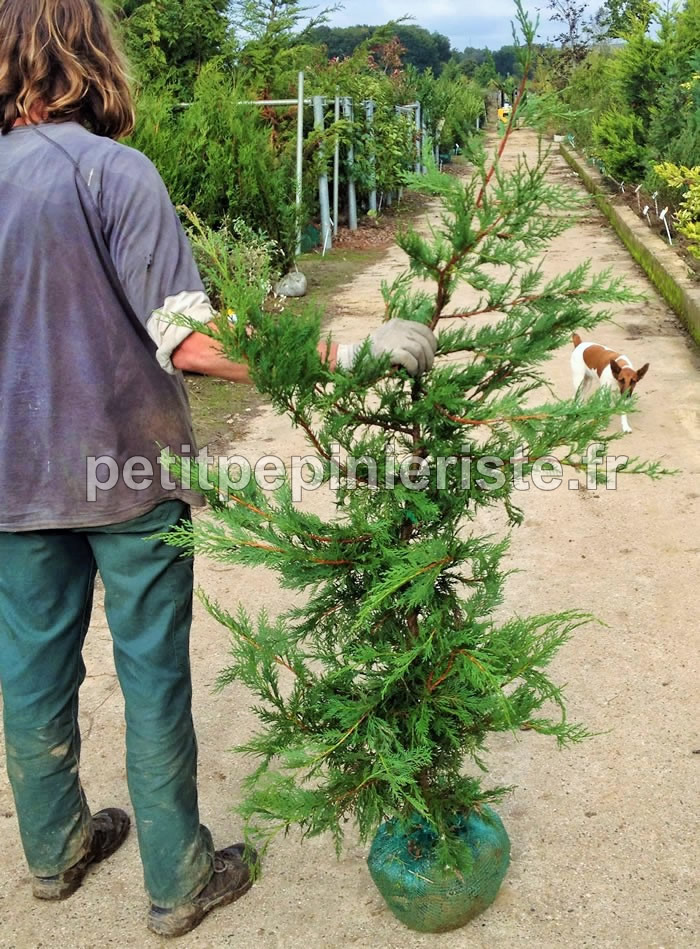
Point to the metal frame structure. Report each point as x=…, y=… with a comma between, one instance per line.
x=329, y=225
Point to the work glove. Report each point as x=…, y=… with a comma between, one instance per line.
x=408, y=344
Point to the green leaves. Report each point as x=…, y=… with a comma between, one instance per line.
x=619, y=142
x=219, y=158
x=377, y=692
x=687, y=217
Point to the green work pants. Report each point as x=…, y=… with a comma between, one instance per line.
x=46, y=589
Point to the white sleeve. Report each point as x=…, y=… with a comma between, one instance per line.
x=168, y=335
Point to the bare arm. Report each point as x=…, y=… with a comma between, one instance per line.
x=200, y=353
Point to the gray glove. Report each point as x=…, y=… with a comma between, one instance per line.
x=411, y=345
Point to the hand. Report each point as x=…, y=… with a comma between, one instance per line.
x=408, y=344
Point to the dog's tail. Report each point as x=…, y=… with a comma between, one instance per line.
x=576, y=340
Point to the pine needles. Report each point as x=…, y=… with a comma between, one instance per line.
x=376, y=696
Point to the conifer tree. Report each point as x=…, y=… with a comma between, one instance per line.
x=377, y=694
x=173, y=40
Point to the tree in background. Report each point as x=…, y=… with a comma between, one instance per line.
x=221, y=159
x=225, y=160
x=506, y=60
x=385, y=149
x=486, y=71
x=613, y=18
x=576, y=34
x=631, y=79
x=674, y=130
x=471, y=58
x=386, y=55
x=637, y=70
x=273, y=41
x=589, y=93
x=341, y=42
x=167, y=38
x=637, y=101
x=451, y=104
x=423, y=49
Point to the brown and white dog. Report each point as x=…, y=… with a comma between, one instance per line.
x=591, y=362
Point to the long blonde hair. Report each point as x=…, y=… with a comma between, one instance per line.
x=61, y=58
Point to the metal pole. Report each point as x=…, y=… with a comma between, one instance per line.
x=423, y=136
x=300, y=155
x=419, y=141
x=323, y=183
x=369, y=111
x=271, y=101
x=352, y=197
x=336, y=168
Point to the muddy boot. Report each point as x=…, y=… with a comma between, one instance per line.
x=234, y=870
x=109, y=829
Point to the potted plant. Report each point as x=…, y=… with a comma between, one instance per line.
x=376, y=695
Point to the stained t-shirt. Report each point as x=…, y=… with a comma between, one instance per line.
x=90, y=247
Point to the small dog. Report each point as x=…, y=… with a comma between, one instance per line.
x=590, y=362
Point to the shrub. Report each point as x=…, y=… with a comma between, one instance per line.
x=465, y=106
x=590, y=95
x=687, y=217
x=236, y=254
x=220, y=158
x=618, y=138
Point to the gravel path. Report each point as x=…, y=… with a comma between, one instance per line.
x=604, y=836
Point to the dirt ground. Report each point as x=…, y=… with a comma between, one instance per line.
x=604, y=835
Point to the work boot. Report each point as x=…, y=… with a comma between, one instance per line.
x=109, y=829
x=234, y=869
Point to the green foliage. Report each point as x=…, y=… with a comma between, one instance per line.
x=227, y=161
x=273, y=42
x=506, y=60
x=675, y=295
x=451, y=105
x=687, y=217
x=422, y=49
x=614, y=17
x=590, y=94
x=636, y=71
x=485, y=72
x=377, y=692
x=638, y=101
x=675, y=123
x=220, y=158
x=235, y=253
x=619, y=142
x=173, y=40
x=385, y=149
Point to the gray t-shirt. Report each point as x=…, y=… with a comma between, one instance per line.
x=90, y=247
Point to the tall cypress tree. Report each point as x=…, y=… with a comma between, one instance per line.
x=376, y=695
x=173, y=40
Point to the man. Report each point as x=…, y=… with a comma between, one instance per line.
x=92, y=259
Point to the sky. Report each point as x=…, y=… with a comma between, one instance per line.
x=477, y=24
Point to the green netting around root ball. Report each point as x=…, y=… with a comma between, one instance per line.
x=430, y=897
